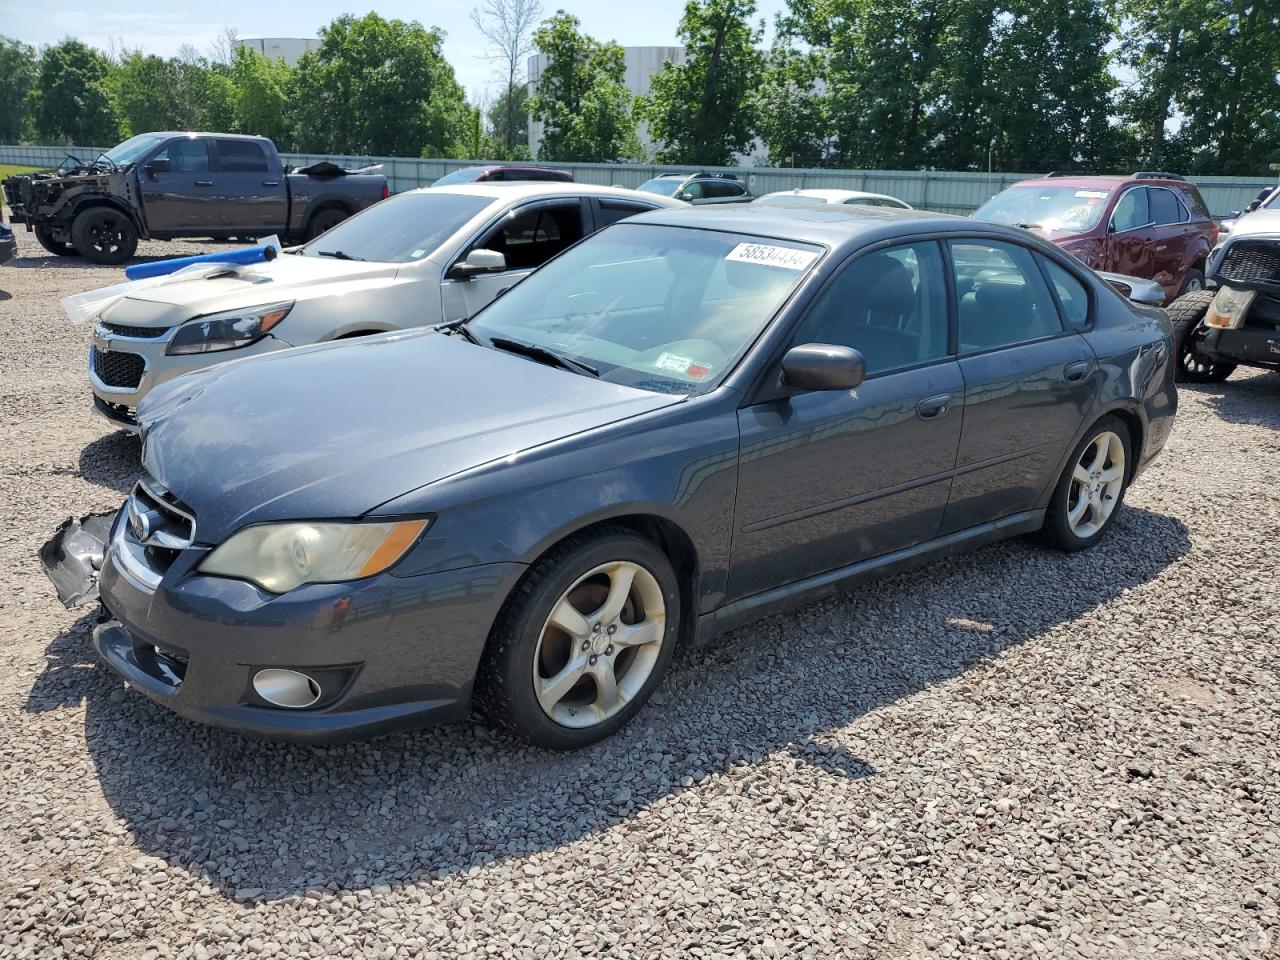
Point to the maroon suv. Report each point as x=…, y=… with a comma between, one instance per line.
x=1150, y=225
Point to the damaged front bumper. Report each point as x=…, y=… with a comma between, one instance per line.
x=73, y=557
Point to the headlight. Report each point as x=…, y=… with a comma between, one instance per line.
x=226, y=331
x=281, y=556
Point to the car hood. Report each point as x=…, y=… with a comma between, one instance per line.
x=177, y=299
x=1259, y=222
x=337, y=429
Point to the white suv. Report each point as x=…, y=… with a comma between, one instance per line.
x=422, y=257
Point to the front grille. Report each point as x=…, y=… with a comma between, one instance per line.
x=1251, y=261
x=179, y=525
x=143, y=333
x=118, y=369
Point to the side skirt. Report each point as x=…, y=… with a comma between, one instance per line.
x=759, y=605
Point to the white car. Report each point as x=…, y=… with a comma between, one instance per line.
x=422, y=257
x=855, y=197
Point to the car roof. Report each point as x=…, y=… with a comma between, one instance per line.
x=204, y=133
x=1109, y=181
x=526, y=189
x=832, y=196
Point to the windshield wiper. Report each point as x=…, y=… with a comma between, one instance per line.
x=1029, y=226
x=545, y=354
x=337, y=255
x=457, y=326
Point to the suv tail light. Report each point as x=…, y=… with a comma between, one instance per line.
x=386, y=190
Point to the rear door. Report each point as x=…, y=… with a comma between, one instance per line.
x=1028, y=381
x=179, y=188
x=1173, y=236
x=829, y=479
x=251, y=185
x=528, y=236
x=1130, y=239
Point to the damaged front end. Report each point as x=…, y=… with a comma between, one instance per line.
x=72, y=559
x=50, y=199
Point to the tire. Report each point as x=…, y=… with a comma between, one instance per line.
x=574, y=583
x=44, y=237
x=1067, y=525
x=104, y=235
x=1192, y=282
x=325, y=220
x=1187, y=314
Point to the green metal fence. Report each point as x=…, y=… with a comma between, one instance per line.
x=939, y=190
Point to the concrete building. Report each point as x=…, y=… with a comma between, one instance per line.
x=641, y=64
x=290, y=48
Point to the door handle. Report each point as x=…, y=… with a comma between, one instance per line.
x=933, y=406
x=1075, y=372
x=204, y=183
x=271, y=183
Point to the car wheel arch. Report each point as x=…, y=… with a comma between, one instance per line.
x=1130, y=414
x=88, y=203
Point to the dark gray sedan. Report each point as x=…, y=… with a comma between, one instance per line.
x=678, y=425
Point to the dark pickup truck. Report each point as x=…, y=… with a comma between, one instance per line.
x=164, y=185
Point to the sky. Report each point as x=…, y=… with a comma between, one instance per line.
x=162, y=27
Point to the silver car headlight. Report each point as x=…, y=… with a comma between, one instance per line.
x=281, y=556
x=227, y=331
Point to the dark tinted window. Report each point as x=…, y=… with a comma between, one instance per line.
x=611, y=211
x=1164, y=206
x=890, y=305
x=1131, y=211
x=532, y=236
x=186, y=156
x=1003, y=297
x=241, y=156
x=723, y=188
x=1071, y=294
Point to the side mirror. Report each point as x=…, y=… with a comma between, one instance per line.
x=156, y=166
x=822, y=366
x=1253, y=205
x=478, y=261
x=684, y=195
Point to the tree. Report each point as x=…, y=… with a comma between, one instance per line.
x=702, y=110
x=261, y=96
x=74, y=99
x=791, y=113
x=225, y=44
x=581, y=100
x=377, y=86
x=511, y=108
x=146, y=92
x=17, y=78
x=508, y=26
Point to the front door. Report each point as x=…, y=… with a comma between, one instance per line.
x=1028, y=382
x=528, y=237
x=1130, y=244
x=179, y=189
x=252, y=187
x=829, y=479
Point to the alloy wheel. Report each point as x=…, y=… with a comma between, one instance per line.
x=599, y=644
x=1096, y=484
x=105, y=235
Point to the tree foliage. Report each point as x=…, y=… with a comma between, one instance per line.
x=508, y=27
x=378, y=86
x=74, y=97
x=581, y=100
x=18, y=72
x=702, y=110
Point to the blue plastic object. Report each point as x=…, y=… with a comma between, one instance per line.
x=158, y=268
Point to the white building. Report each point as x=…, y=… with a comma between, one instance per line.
x=290, y=48
x=641, y=64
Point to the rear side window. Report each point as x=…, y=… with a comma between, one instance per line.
x=1164, y=206
x=241, y=156
x=1194, y=203
x=724, y=188
x=1004, y=299
x=1132, y=211
x=1072, y=295
x=611, y=211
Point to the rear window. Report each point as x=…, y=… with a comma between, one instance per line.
x=465, y=175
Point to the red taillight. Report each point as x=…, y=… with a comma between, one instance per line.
x=386, y=191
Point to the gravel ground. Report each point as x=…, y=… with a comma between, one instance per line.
x=1013, y=753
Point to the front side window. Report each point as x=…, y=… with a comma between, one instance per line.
x=1071, y=294
x=890, y=305
x=406, y=228
x=1132, y=211
x=241, y=156
x=1003, y=298
x=530, y=237
x=655, y=307
x=186, y=156
x=693, y=190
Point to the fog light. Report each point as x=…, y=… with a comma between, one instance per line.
x=286, y=688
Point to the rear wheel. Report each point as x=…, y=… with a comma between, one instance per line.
x=582, y=643
x=1092, y=486
x=1188, y=313
x=324, y=221
x=44, y=236
x=1194, y=280
x=104, y=235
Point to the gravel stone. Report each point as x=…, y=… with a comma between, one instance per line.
x=1012, y=753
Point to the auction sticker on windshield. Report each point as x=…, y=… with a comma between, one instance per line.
x=771, y=256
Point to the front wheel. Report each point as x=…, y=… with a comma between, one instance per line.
x=1187, y=314
x=1092, y=486
x=44, y=237
x=583, y=641
x=104, y=235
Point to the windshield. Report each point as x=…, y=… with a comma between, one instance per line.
x=133, y=149
x=465, y=175
x=403, y=229
x=663, y=187
x=1274, y=202
x=1053, y=208
x=658, y=308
